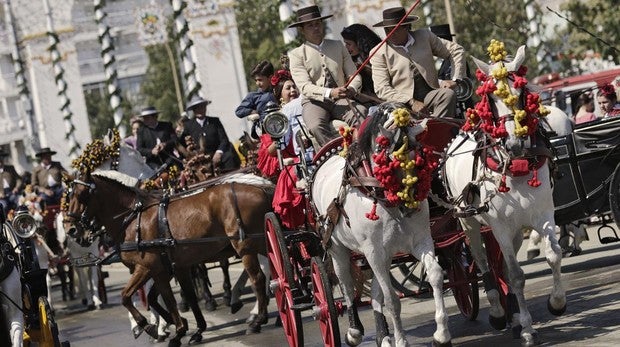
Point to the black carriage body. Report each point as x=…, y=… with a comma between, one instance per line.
x=586, y=161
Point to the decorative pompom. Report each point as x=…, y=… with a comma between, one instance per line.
x=502, y=186
x=372, y=215
x=534, y=182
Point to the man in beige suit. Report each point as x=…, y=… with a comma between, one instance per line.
x=320, y=68
x=403, y=70
x=47, y=177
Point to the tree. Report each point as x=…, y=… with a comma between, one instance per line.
x=158, y=86
x=100, y=114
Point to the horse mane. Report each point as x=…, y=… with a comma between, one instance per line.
x=116, y=176
x=247, y=178
x=373, y=122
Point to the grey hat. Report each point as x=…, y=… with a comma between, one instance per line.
x=308, y=14
x=149, y=111
x=392, y=16
x=197, y=101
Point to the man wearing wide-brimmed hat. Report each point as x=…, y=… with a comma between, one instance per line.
x=403, y=70
x=209, y=136
x=155, y=140
x=11, y=183
x=321, y=68
x=47, y=177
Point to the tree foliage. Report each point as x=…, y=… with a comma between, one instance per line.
x=158, y=87
x=100, y=114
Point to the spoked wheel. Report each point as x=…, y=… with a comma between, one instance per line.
x=282, y=281
x=614, y=194
x=49, y=328
x=408, y=278
x=464, y=282
x=324, y=309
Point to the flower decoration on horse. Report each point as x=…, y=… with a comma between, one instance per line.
x=503, y=89
x=404, y=173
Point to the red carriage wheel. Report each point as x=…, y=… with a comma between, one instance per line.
x=325, y=309
x=464, y=282
x=282, y=281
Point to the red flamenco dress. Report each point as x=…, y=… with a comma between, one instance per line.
x=287, y=202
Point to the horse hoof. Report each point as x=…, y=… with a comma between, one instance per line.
x=530, y=340
x=137, y=331
x=516, y=331
x=556, y=312
x=498, y=323
x=210, y=305
x=174, y=343
x=161, y=338
x=151, y=329
x=234, y=308
x=354, y=337
x=533, y=254
x=253, y=329
x=439, y=344
x=278, y=322
x=196, y=337
x=384, y=342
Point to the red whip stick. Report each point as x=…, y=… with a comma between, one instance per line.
x=382, y=42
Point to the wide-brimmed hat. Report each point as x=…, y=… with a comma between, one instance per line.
x=45, y=150
x=392, y=16
x=308, y=14
x=149, y=111
x=443, y=31
x=197, y=101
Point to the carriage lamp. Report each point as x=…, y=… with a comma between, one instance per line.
x=275, y=124
x=464, y=89
x=24, y=224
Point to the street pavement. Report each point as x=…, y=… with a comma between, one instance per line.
x=592, y=317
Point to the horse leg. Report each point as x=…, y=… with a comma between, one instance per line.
x=497, y=315
x=383, y=333
x=183, y=275
x=533, y=247
x=259, y=286
x=235, y=294
x=137, y=279
x=82, y=277
x=264, y=266
x=203, y=275
x=161, y=282
x=94, y=285
x=553, y=254
x=226, y=286
x=341, y=260
x=12, y=287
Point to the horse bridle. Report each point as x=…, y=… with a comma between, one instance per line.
x=82, y=221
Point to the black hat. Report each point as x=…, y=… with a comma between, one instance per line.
x=45, y=150
x=197, y=101
x=393, y=15
x=308, y=14
x=149, y=111
x=443, y=31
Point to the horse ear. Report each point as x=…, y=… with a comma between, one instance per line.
x=484, y=67
x=107, y=138
x=518, y=60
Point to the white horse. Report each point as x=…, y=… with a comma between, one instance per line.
x=10, y=294
x=397, y=229
x=508, y=202
x=87, y=276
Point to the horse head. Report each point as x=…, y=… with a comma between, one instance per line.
x=389, y=139
x=509, y=109
x=76, y=218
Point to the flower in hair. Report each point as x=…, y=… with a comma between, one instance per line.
x=608, y=90
x=279, y=76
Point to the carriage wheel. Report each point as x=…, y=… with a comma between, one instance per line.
x=614, y=194
x=464, y=282
x=48, y=326
x=325, y=309
x=282, y=281
x=408, y=283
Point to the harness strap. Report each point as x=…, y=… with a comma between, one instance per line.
x=237, y=212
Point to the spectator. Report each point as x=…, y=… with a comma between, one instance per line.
x=403, y=70
x=255, y=102
x=47, y=178
x=155, y=140
x=11, y=184
x=320, y=68
x=210, y=137
x=585, y=111
x=131, y=140
x=359, y=41
x=608, y=101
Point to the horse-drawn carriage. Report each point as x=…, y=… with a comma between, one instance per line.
x=27, y=315
x=588, y=179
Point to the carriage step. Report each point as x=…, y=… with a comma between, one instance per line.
x=609, y=239
x=302, y=307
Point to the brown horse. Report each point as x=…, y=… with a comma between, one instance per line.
x=163, y=236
